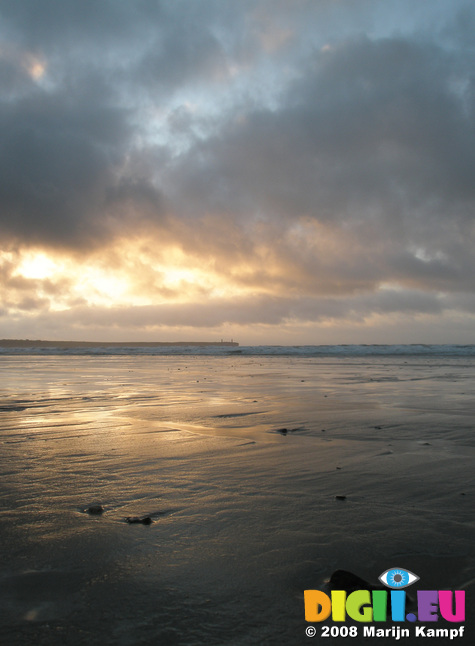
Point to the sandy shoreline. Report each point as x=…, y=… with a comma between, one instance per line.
x=245, y=517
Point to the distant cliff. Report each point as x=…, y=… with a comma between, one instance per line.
x=28, y=343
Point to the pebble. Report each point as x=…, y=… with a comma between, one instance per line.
x=144, y=520
x=284, y=431
x=95, y=509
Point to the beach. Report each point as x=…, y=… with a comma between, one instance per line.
x=260, y=476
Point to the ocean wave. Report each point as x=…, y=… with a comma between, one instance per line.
x=258, y=350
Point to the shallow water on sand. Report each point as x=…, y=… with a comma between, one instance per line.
x=237, y=461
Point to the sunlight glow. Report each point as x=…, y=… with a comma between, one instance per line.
x=35, y=67
x=37, y=70
x=129, y=273
x=100, y=287
x=37, y=266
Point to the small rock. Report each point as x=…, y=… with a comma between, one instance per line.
x=340, y=497
x=284, y=431
x=144, y=520
x=95, y=509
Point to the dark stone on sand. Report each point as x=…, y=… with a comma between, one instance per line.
x=338, y=468
x=340, y=497
x=144, y=520
x=284, y=431
x=95, y=509
x=378, y=428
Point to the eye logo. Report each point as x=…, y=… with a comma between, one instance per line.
x=398, y=578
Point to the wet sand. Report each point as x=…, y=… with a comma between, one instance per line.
x=238, y=462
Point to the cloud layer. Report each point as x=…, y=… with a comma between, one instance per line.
x=235, y=167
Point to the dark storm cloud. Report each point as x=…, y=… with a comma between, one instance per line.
x=374, y=134
x=52, y=24
x=373, y=126
x=14, y=78
x=180, y=56
x=68, y=139
x=147, y=44
x=61, y=130
x=58, y=156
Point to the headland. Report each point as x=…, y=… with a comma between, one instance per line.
x=29, y=343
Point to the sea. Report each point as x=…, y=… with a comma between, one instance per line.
x=343, y=350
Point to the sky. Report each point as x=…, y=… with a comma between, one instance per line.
x=271, y=171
